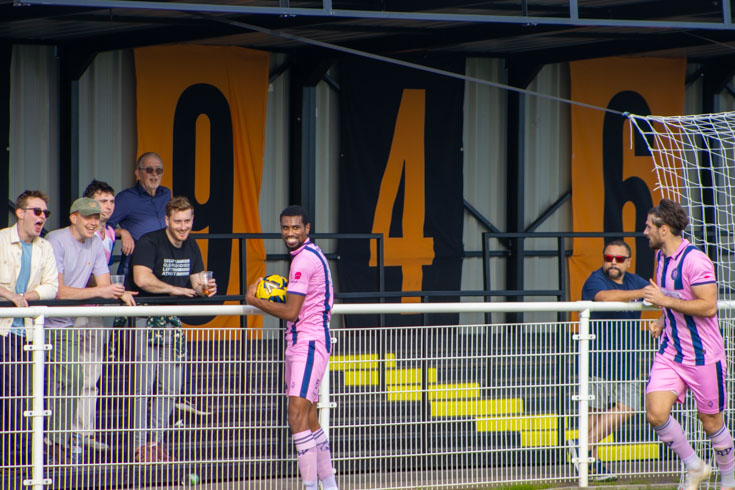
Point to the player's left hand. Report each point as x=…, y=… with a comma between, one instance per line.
x=656, y=327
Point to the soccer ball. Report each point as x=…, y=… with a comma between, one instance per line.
x=272, y=288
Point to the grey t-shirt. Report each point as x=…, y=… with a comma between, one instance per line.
x=77, y=261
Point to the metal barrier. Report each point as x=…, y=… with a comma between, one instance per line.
x=405, y=407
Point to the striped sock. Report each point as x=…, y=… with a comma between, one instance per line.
x=306, y=456
x=673, y=436
x=324, y=460
x=722, y=444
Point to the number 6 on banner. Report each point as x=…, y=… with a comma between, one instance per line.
x=413, y=250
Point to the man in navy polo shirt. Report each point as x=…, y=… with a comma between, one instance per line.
x=614, y=361
x=141, y=208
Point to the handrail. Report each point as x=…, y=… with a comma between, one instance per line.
x=339, y=309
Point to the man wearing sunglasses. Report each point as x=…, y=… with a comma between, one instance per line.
x=141, y=208
x=614, y=361
x=27, y=273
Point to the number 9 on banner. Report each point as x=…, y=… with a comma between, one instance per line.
x=272, y=288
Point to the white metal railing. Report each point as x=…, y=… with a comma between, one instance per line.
x=383, y=382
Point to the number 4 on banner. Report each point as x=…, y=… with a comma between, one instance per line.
x=413, y=250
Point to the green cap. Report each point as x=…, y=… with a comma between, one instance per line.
x=85, y=206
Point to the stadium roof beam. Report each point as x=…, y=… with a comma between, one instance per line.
x=571, y=18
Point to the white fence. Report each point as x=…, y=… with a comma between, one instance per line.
x=451, y=406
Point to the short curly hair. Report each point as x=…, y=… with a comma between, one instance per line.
x=670, y=213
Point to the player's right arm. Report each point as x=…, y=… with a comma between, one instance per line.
x=288, y=311
x=704, y=302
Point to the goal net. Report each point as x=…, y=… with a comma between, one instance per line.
x=694, y=159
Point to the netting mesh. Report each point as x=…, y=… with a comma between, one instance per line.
x=694, y=158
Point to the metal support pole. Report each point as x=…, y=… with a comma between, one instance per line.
x=583, y=397
x=37, y=412
x=325, y=405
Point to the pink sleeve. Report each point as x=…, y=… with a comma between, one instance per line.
x=299, y=275
x=700, y=270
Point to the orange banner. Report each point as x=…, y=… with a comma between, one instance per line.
x=203, y=109
x=612, y=172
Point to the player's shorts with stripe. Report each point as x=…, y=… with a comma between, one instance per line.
x=306, y=363
x=707, y=382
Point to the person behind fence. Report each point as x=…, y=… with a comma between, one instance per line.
x=27, y=273
x=307, y=310
x=93, y=332
x=79, y=256
x=166, y=262
x=614, y=365
x=104, y=194
x=691, y=353
x=142, y=208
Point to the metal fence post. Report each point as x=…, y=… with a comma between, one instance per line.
x=324, y=405
x=37, y=412
x=583, y=397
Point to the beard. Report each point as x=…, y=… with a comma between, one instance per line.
x=614, y=273
x=653, y=244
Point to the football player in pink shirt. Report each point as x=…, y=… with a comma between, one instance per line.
x=691, y=355
x=307, y=311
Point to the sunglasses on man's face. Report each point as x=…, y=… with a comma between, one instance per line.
x=38, y=211
x=150, y=170
x=617, y=258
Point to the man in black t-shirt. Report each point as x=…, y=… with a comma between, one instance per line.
x=165, y=262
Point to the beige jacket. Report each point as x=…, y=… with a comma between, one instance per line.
x=44, y=278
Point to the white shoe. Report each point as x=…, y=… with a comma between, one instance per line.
x=695, y=477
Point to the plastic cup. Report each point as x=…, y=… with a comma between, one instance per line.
x=205, y=276
x=117, y=279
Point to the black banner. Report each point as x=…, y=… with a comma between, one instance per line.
x=401, y=175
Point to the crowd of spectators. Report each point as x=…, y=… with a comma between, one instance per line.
x=158, y=259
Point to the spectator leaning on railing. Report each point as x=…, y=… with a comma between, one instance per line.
x=27, y=273
x=79, y=256
x=166, y=262
x=614, y=365
x=94, y=332
x=141, y=208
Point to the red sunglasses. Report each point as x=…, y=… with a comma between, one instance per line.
x=617, y=258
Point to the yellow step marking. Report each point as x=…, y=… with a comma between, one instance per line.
x=457, y=391
x=475, y=408
x=539, y=438
x=404, y=393
x=359, y=361
x=520, y=423
x=408, y=376
x=362, y=378
x=628, y=452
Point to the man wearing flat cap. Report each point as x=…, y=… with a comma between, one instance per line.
x=79, y=256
